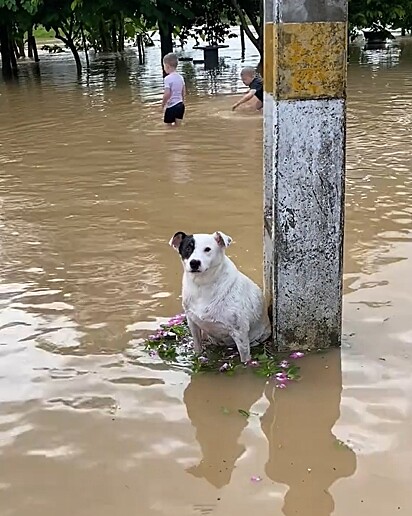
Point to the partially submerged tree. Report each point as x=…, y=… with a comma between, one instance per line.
x=61, y=16
x=250, y=13
x=15, y=19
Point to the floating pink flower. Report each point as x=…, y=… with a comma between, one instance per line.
x=281, y=376
x=256, y=478
x=224, y=367
x=254, y=363
x=203, y=360
x=281, y=385
x=176, y=320
x=297, y=354
x=153, y=353
x=284, y=364
x=161, y=334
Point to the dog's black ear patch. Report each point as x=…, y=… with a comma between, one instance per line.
x=177, y=239
x=187, y=246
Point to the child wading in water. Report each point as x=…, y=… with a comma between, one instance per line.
x=174, y=91
x=255, y=83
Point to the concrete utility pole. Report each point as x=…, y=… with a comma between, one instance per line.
x=304, y=169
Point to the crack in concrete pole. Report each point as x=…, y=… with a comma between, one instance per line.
x=305, y=43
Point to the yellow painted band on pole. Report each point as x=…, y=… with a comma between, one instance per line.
x=308, y=60
x=269, y=68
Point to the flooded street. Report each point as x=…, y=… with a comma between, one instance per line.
x=92, y=187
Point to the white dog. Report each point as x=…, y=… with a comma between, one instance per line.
x=219, y=301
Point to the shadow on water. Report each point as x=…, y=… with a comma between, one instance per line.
x=304, y=453
x=213, y=409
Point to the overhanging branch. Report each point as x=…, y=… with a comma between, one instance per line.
x=255, y=40
x=250, y=13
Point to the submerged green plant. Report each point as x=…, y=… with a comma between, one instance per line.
x=173, y=343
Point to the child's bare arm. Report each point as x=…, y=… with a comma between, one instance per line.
x=166, y=96
x=244, y=99
x=184, y=93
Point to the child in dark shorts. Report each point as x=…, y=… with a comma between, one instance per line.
x=174, y=91
x=254, y=81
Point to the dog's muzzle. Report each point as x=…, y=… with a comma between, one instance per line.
x=194, y=265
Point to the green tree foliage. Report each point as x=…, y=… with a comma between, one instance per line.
x=378, y=14
x=15, y=16
x=14, y=7
x=105, y=23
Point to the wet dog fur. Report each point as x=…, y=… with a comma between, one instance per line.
x=220, y=302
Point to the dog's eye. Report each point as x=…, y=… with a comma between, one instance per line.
x=207, y=249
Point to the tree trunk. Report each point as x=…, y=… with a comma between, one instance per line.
x=257, y=24
x=114, y=36
x=259, y=67
x=142, y=46
x=29, y=43
x=165, y=31
x=68, y=41
x=13, y=59
x=103, y=36
x=20, y=46
x=16, y=50
x=72, y=46
x=242, y=42
x=5, y=52
x=166, y=41
x=33, y=48
x=140, y=49
x=86, y=53
x=260, y=48
x=121, y=32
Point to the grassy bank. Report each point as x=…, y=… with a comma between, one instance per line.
x=41, y=33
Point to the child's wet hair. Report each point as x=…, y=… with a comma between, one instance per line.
x=249, y=71
x=171, y=60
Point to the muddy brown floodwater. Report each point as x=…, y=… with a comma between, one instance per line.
x=91, y=189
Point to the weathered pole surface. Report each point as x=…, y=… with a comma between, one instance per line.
x=304, y=169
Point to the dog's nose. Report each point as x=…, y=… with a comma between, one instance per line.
x=194, y=265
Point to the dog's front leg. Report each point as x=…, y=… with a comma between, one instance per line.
x=241, y=338
x=196, y=334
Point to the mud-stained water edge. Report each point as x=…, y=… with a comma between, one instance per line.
x=91, y=189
